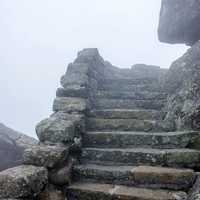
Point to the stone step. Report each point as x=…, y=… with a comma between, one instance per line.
x=140, y=95
x=130, y=85
x=183, y=158
x=138, y=139
x=100, y=124
x=94, y=191
x=142, y=176
x=105, y=103
x=126, y=114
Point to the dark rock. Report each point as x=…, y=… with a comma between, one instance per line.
x=22, y=181
x=12, y=144
x=51, y=193
x=74, y=91
x=45, y=156
x=194, y=193
x=179, y=21
x=183, y=85
x=62, y=175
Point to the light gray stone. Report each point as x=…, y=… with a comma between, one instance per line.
x=46, y=155
x=69, y=104
x=22, y=181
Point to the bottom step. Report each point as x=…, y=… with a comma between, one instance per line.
x=91, y=191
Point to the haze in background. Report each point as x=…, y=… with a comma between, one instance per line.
x=39, y=38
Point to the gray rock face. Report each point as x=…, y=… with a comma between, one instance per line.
x=45, y=156
x=179, y=21
x=183, y=86
x=22, y=181
x=61, y=127
x=12, y=144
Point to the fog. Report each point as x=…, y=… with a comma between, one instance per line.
x=39, y=38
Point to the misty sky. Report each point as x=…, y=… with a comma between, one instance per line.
x=40, y=37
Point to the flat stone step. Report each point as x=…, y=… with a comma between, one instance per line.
x=130, y=85
x=142, y=176
x=181, y=158
x=126, y=114
x=140, y=95
x=105, y=103
x=94, y=191
x=119, y=139
x=100, y=124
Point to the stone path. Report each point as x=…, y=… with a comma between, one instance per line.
x=127, y=152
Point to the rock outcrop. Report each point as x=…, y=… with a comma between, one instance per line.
x=12, y=144
x=183, y=86
x=179, y=21
x=113, y=135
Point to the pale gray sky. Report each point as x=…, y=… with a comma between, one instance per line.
x=40, y=37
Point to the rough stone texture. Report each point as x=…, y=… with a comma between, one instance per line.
x=183, y=158
x=119, y=139
x=12, y=144
x=69, y=104
x=179, y=21
x=194, y=193
x=51, y=193
x=88, y=191
x=142, y=176
x=22, y=181
x=55, y=130
x=62, y=175
x=61, y=127
x=183, y=85
x=163, y=177
x=45, y=156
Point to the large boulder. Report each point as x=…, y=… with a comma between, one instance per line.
x=179, y=21
x=183, y=86
x=12, y=144
x=60, y=127
x=22, y=181
x=46, y=155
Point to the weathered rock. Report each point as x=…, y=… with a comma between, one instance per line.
x=160, y=177
x=51, y=193
x=22, y=181
x=45, y=155
x=61, y=127
x=90, y=191
x=69, y=104
x=55, y=130
x=194, y=193
x=132, y=139
x=62, y=175
x=12, y=144
x=184, y=158
x=179, y=21
x=183, y=85
x=74, y=91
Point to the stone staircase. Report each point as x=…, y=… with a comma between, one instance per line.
x=126, y=153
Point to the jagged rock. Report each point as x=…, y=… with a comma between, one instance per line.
x=12, y=144
x=69, y=104
x=179, y=21
x=60, y=127
x=51, y=193
x=45, y=155
x=22, y=181
x=183, y=85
